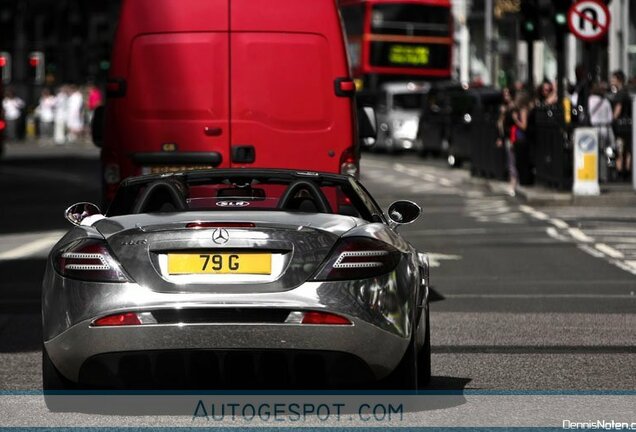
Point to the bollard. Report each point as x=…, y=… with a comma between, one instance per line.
x=586, y=162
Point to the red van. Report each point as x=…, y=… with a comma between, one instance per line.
x=228, y=83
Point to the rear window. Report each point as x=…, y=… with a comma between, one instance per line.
x=408, y=101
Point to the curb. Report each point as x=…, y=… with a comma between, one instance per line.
x=544, y=197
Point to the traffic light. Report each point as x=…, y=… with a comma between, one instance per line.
x=5, y=67
x=36, y=67
x=561, y=8
x=529, y=20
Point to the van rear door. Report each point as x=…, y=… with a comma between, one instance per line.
x=175, y=68
x=283, y=72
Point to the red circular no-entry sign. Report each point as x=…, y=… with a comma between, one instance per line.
x=589, y=20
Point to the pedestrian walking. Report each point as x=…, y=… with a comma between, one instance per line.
x=504, y=126
x=622, y=124
x=74, y=119
x=95, y=99
x=12, y=106
x=61, y=108
x=580, y=94
x=600, y=112
x=519, y=137
x=45, y=112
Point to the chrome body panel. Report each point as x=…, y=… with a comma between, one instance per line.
x=373, y=305
x=383, y=309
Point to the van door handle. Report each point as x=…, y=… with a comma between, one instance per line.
x=212, y=131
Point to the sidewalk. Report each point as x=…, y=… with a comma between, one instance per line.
x=612, y=194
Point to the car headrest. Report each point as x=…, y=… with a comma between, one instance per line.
x=160, y=196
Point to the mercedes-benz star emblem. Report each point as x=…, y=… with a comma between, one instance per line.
x=220, y=236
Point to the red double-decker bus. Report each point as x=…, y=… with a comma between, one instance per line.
x=396, y=40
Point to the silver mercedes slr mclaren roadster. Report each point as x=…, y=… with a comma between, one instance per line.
x=255, y=278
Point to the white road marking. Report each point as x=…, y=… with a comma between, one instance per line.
x=534, y=213
x=590, y=250
x=435, y=258
x=623, y=246
x=579, y=235
x=552, y=232
x=609, y=251
x=628, y=266
x=559, y=223
x=14, y=246
x=30, y=248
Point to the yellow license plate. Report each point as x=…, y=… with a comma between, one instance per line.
x=220, y=263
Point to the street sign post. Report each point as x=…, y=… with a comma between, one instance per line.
x=589, y=20
x=586, y=162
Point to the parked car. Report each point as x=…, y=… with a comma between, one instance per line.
x=398, y=110
x=269, y=278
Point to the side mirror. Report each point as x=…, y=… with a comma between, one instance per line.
x=97, y=126
x=76, y=213
x=403, y=212
x=367, y=123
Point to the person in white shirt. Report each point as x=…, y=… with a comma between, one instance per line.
x=601, y=116
x=12, y=106
x=61, y=102
x=74, y=116
x=600, y=110
x=45, y=112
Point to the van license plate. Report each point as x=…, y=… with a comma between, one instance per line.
x=220, y=263
x=162, y=169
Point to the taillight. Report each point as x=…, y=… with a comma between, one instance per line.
x=358, y=258
x=124, y=319
x=199, y=225
x=316, y=318
x=128, y=318
x=89, y=260
x=2, y=125
x=349, y=163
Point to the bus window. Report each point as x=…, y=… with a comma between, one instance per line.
x=410, y=19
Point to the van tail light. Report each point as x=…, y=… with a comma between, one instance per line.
x=358, y=258
x=2, y=125
x=349, y=164
x=89, y=260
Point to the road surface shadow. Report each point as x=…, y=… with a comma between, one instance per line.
x=20, y=300
x=36, y=191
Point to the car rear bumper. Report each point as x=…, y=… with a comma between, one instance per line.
x=378, y=336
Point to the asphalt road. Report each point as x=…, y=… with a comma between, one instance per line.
x=523, y=298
